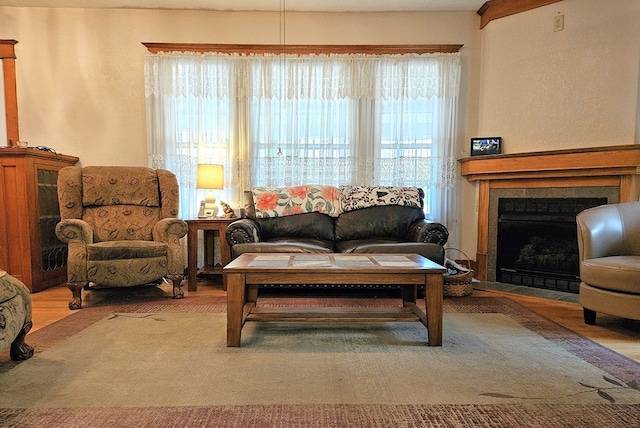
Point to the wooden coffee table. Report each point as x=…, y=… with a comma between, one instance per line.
x=244, y=274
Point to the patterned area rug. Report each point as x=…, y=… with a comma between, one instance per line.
x=149, y=361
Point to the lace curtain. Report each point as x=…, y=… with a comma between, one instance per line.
x=277, y=120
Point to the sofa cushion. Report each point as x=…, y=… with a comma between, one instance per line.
x=617, y=273
x=390, y=221
x=308, y=225
x=125, y=250
x=433, y=252
x=284, y=245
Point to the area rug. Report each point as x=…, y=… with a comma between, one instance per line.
x=161, y=362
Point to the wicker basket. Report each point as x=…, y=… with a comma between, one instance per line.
x=460, y=284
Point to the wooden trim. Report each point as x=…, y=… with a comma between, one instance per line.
x=8, y=57
x=495, y=9
x=6, y=49
x=587, y=162
x=301, y=49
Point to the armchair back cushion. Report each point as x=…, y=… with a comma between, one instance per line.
x=119, y=203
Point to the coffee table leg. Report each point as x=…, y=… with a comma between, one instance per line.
x=433, y=296
x=235, y=306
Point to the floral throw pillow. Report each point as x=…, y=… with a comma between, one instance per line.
x=282, y=201
x=356, y=197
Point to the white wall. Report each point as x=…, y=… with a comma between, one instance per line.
x=80, y=71
x=546, y=90
x=80, y=79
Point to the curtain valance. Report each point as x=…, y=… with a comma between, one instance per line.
x=309, y=76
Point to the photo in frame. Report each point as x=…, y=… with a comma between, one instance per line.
x=486, y=146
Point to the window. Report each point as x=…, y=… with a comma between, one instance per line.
x=280, y=120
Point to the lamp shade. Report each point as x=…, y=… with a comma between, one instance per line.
x=210, y=176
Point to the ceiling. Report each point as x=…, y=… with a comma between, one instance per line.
x=263, y=5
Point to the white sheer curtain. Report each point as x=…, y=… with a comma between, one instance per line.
x=191, y=119
x=278, y=120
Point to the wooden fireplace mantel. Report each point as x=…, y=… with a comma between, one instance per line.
x=612, y=166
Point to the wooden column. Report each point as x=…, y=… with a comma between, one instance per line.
x=8, y=57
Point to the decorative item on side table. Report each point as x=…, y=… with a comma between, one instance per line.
x=486, y=146
x=209, y=177
x=228, y=212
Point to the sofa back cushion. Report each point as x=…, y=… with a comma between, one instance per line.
x=389, y=221
x=358, y=197
x=268, y=202
x=307, y=225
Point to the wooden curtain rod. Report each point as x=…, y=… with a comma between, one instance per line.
x=301, y=49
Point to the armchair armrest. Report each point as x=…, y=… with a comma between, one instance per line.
x=428, y=231
x=74, y=230
x=243, y=231
x=77, y=234
x=169, y=230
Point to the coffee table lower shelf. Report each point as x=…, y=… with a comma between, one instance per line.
x=334, y=314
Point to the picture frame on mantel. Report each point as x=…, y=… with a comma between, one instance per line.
x=481, y=146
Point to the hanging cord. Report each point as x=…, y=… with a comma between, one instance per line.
x=283, y=39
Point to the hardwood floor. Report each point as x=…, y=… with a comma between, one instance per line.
x=622, y=336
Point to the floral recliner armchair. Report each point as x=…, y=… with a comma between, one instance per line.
x=121, y=227
x=15, y=317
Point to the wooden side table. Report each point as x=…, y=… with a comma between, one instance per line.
x=209, y=226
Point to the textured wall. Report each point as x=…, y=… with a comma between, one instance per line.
x=545, y=90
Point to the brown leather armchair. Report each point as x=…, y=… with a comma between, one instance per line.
x=121, y=227
x=609, y=247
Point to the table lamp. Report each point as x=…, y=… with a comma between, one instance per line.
x=209, y=177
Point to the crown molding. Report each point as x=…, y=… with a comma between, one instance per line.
x=495, y=9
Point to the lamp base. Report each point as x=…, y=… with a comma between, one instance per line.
x=207, y=210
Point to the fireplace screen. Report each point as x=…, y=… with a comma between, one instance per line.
x=537, y=241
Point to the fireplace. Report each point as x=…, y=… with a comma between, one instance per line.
x=537, y=243
x=611, y=171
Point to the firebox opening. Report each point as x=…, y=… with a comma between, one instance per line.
x=537, y=242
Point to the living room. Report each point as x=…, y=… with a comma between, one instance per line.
x=79, y=73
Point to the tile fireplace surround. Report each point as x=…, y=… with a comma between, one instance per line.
x=612, y=172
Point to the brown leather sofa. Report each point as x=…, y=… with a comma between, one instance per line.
x=387, y=228
x=609, y=247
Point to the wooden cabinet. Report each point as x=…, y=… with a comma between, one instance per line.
x=29, y=248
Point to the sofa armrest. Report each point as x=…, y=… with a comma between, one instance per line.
x=243, y=231
x=428, y=231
